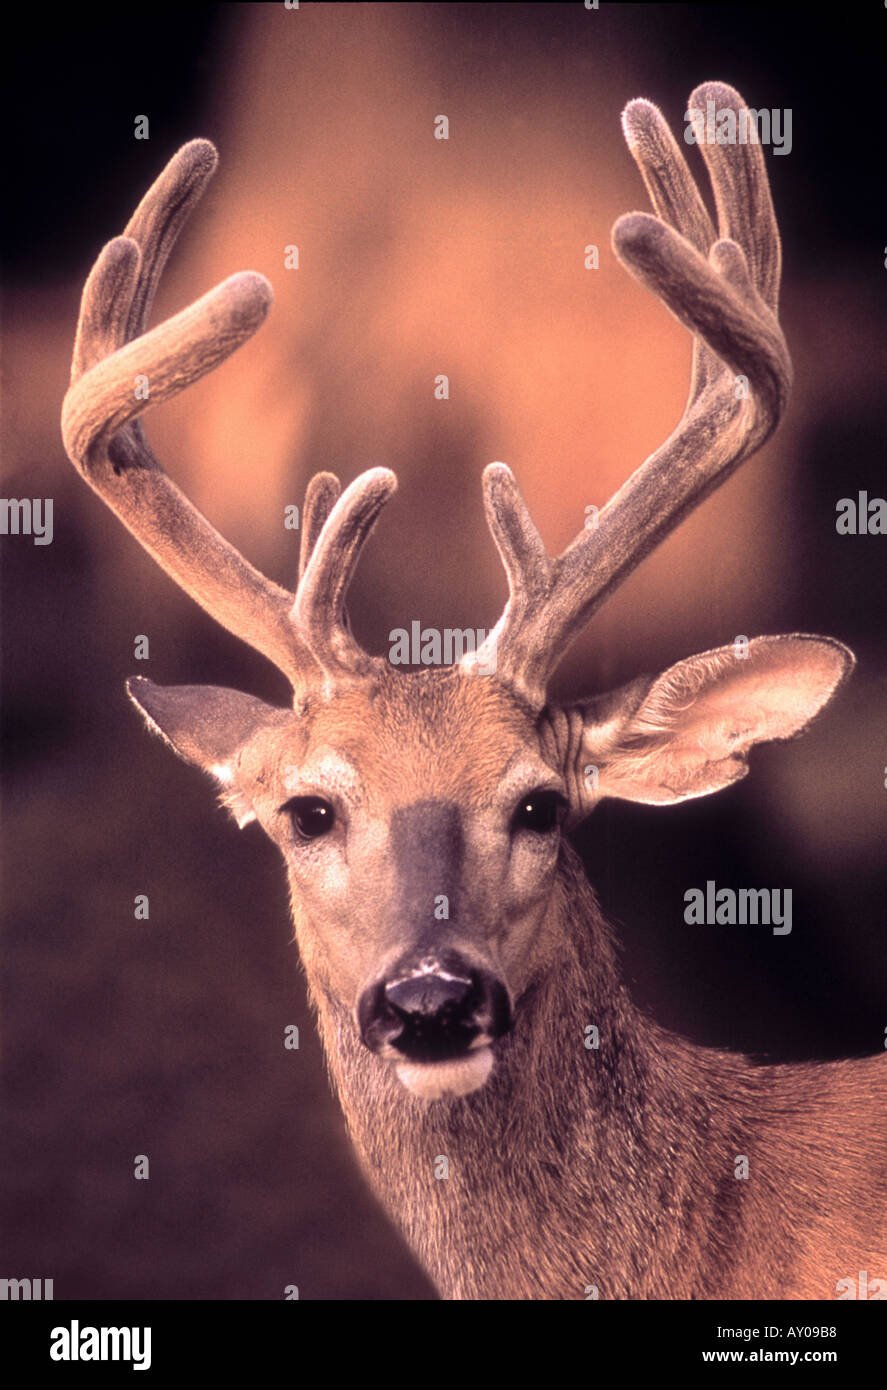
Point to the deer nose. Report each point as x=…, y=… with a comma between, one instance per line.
x=433, y=1011
x=427, y=995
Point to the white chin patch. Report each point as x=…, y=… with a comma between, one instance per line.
x=433, y=1080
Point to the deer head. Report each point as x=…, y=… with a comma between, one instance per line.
x=421, y=815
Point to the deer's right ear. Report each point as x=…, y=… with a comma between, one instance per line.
x=207, y=725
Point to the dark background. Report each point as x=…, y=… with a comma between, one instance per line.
x=165, y=1037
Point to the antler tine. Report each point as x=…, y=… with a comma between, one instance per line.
x=161, y=215
x=112, y=315
x=527, y=564
x=676, y=201
x=321, y=495
x=104, y=438
x=318, y=612
x=728, y=301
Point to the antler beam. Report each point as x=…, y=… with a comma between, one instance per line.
x=724, y=288
x=722, y=285
x=304, y=634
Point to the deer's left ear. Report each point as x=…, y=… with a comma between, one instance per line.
x=688, y=732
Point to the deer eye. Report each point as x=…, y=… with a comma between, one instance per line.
x=311, y=816
x=541, y=812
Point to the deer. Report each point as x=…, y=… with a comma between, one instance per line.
x=456, y=956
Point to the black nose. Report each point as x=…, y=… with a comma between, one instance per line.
x=432, y=1009
x=429, y=995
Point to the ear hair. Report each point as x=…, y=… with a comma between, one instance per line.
x=688, y=732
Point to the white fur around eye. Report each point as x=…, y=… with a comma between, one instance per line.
x=326, y=772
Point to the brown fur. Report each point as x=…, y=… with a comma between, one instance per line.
x=615, y=1168
x=570, y=1168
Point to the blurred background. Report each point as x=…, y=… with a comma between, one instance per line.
x=417, y=257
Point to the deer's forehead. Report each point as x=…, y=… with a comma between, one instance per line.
x=458, y=744
x=389, y=786
x=416, y=714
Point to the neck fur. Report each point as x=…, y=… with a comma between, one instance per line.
x=563, y=1172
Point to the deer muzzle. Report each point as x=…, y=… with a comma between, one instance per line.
x=435, y=1018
